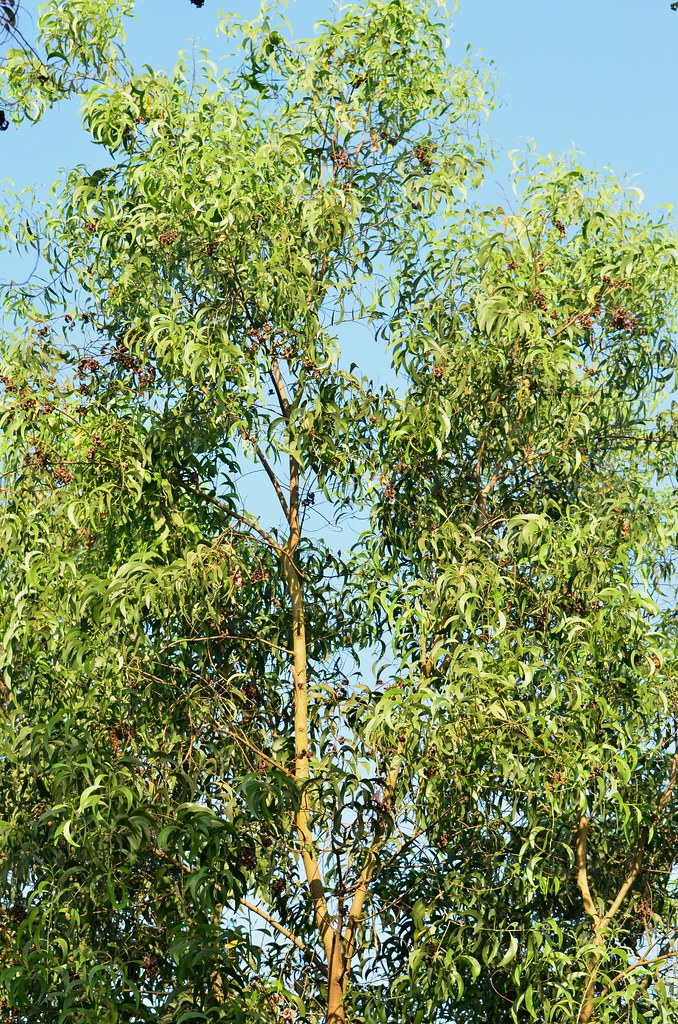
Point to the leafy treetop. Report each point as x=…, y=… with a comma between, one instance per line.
x=211, y=808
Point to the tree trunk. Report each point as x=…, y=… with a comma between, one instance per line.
x=336, y=980
x=330, y=935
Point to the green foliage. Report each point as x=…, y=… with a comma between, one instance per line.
x=205, y=792
x=78, y=42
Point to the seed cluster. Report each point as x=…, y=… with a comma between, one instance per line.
x=248, y=858
x=312, y=368
x=96, y=446
x=62, y=475
x=18, y=912
x=151, y=967
x=146, y=376
x=40, y=458
x=341, y=160
x=120, y=734
x=423, y=155
x=87, y=366
x=122, y=355
x=622, y=321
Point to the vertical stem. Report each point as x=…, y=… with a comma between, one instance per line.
x=601, y=924
x=336, y=980
x=217, y=983
x=588, y=1005
x=331, y=937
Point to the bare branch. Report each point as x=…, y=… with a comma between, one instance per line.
x=582, y=870
x=280, y=389
x=636, y=863
x=243, y=520
x=274, y=480
x=281, y=928
x=370, y=865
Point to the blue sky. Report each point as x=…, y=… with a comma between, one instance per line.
x=600, y=75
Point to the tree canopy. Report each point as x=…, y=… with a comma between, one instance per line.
x=338, y=635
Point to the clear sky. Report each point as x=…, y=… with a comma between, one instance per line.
x=600, y=75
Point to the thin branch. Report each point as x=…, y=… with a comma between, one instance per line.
x=241, y=738
x=274, y=480
x=243, y=520
x=636, y=863
x=281, y=928
x=666, y=796
x=280, y=390
x=644, y=962
x=481, y=496
x=370, y=865
x=223, y=636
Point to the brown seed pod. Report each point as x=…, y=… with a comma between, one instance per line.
x=62, y=475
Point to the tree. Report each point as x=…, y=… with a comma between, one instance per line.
x=212, y=807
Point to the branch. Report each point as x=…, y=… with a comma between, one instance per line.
x=481, y=496
x=241, y=738
x=223, y=636
x=370, y=865
x=600, y=925
x=636, y=863
x=582, y=871
x=243, y=520
x=274, y=480
x=644, y=962
x=280, y=390
x=308, y=953
x=666, y=795
x=576, y=316
x=302, y=743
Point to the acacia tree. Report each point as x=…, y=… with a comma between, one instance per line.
x=211, y=806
